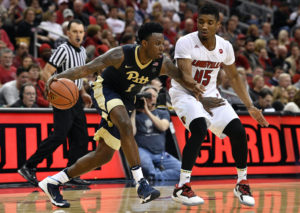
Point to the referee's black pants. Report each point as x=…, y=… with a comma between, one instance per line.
x=69, y=123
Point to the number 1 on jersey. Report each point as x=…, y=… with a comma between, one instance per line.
x=203, y=77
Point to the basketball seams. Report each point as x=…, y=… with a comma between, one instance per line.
x=65, y=93
x=69, y=90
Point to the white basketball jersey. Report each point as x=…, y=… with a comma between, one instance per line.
x=205, y=64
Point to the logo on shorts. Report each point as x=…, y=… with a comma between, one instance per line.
x=220, y=51
x=183, y=118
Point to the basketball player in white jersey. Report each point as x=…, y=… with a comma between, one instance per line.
x=201, y=54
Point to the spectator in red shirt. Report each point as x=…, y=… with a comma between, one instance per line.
x=34, y=77
x=62, y=5
x=168, y=32
x=4, y=39
x=45, y=54
x=7, y=71
x=101, y=21
x=22, y=49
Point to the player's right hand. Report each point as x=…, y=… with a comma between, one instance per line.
x=198, y=90
x=50, y=80
x=211, y=102
x=258, y=116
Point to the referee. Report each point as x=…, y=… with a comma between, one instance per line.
x=70, y=123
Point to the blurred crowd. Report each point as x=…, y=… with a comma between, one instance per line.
x=267, y=50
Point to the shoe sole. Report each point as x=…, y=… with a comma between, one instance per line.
x=152, y=196
x=43, y=186
x=176, y=199
x=241, y=201
x=28, y=179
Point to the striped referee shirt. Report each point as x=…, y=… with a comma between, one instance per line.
x=67, y=56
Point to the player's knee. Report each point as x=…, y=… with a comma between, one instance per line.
x=125, y=126
x=198, y=128
x=235, y=130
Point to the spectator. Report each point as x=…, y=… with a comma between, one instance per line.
x=265, y=100
x=275, y=79
x=49, y=24
x=26, y=61
x=283, y=38
x=258, y=85
x=241, y=40
x=230, y=34
x=68, y=15
x=149, y=127
x=142, y=12
x=280, y=18
x=45, y=54
x=296, y=37
x=294, y=18
x=116, y=25
x=266, y=33
x=291, y=90
x=168, y=31
x=9, y=92
x=284, y=80
x=5, y=41
x=280, y=94
x=131, y=18
x=38, y=11
x=27, y=97
x=252, y=32
x=101, y=21
x=188, y=26
x=7, y=70
x=79, y=14
x=93, y=7
x=34, y=72
x=62, y=5
x=293, y=63
x=62, y=39
x=293, y=106
x=265, y=62
x=26, y=28
x=170, y=5
x=22, y=50
x=250, y=54
x=128, y=39
x=281, y=54
x=272, y=48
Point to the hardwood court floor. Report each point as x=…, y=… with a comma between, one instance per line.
x=271, y=195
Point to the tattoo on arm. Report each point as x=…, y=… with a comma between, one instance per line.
x=114, y=57
x=171, y=70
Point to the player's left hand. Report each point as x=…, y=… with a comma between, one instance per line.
x=257, y=115
x=211, y=102
x=87, y=100
x=50, y=80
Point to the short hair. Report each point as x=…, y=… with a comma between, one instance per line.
x=20, y=70
x=92, y=29
x=5, y=50
x=147, y=29
x=209, y=9
x=34, y=65
x=77, y=21
x=264, y=92
x=126, y=38
x=28, y=84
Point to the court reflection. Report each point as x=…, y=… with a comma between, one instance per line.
x=107, y=198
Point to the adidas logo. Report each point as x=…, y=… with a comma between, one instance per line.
x=196, y=46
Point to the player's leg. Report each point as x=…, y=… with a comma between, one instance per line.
x=90, y=161
x=193, y=116
x=236, y=132
x=120, y=118
x=183, y=192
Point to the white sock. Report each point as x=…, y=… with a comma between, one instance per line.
x=61, y=177
x=242, y=174
x=137, y=173
x=185, y=177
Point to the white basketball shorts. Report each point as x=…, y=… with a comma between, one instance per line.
x=188, y=108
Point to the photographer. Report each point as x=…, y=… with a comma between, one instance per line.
x=149, y=127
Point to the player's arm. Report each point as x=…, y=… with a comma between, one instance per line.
x=240, y=89
x=182, y=74
x=113, y=57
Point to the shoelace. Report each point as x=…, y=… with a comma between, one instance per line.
x=188, y=191
x=245, y=189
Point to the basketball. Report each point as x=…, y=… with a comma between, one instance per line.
x=63, y=93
